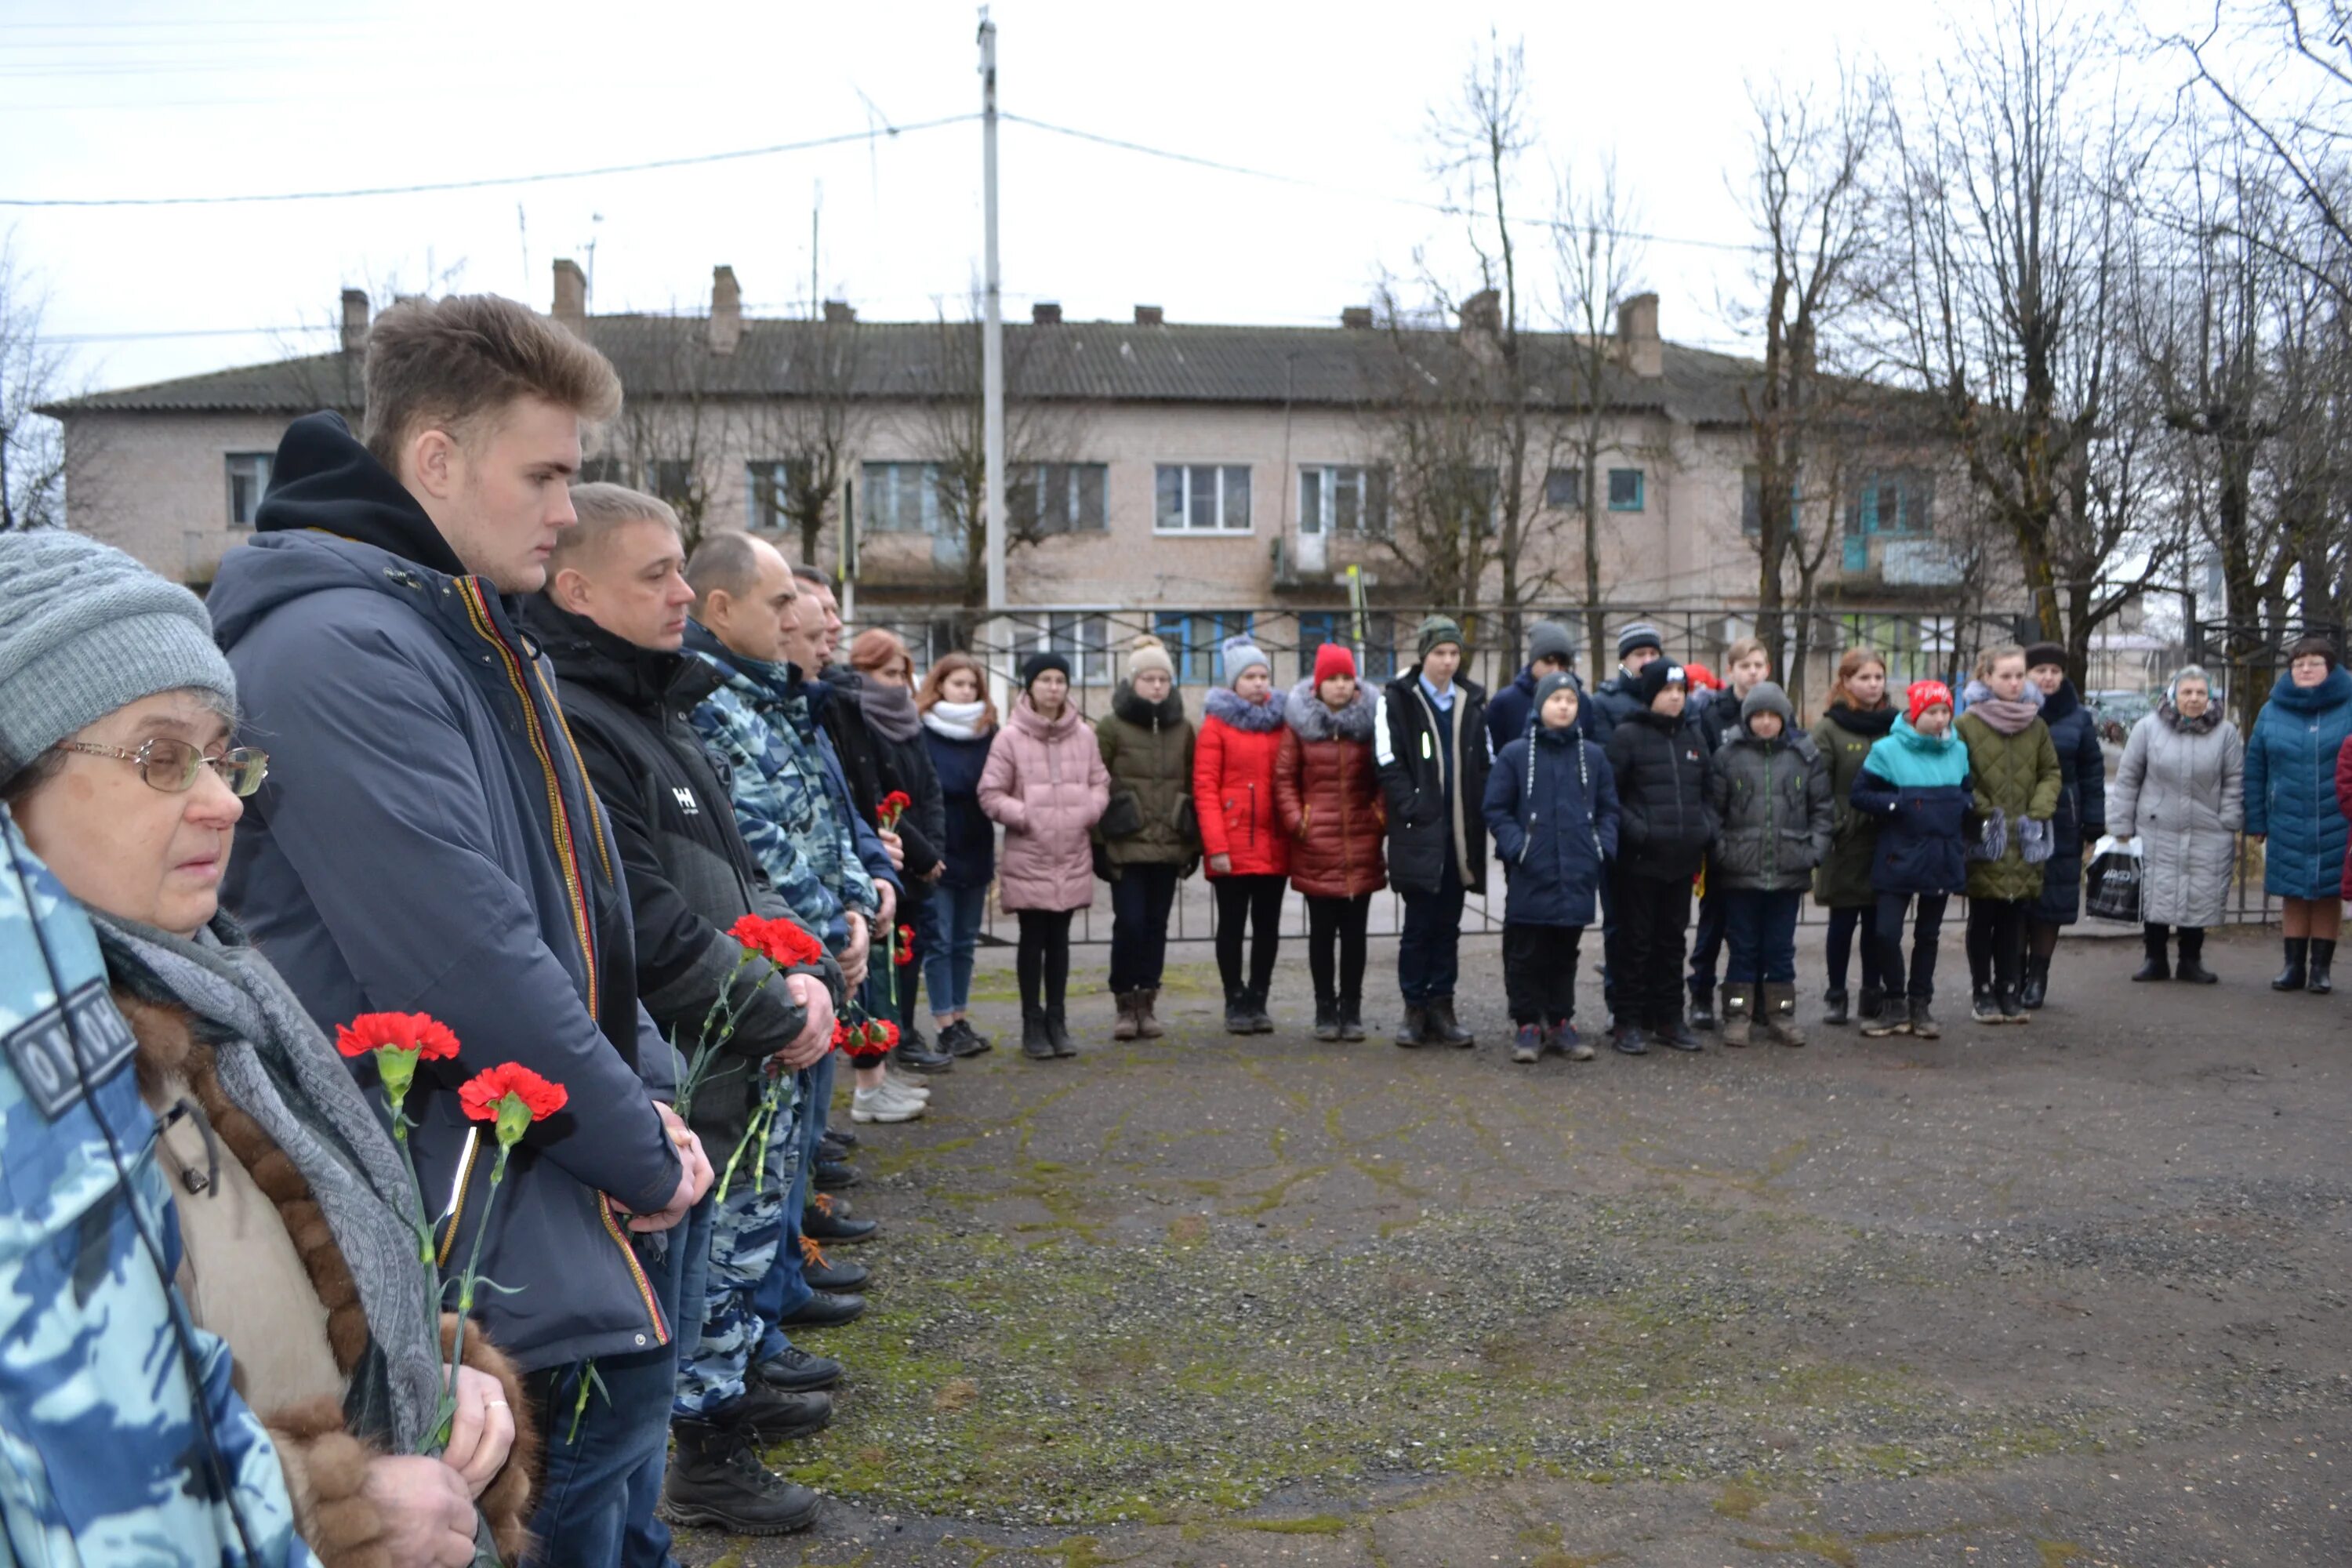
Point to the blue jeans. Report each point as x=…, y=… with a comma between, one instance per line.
x=948, y=929
x=1760, y=930
x=1429, y=951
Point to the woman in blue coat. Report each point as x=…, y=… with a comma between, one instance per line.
x=1916, y=785
x=2082, y=814
x=2291, y=801
x=1551, y=805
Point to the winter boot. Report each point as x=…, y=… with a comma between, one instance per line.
x=1057, y=1029
x=1125, y=1028
x=716, y=1480
x=1414, y=1031
x=2192, y=958
x=1351, y=1017
x=1780, y=1014
x=1834, y=1004
x=1627, y=1038
x=1444, y=1028
x=1675, y=1034
x=1894, y=1019
x=1527, y=1044
x=1984, y=1008
x=2296, y=974
x=2158, y=966
x=1239, y=1019
x=2013, y=1007
x=1261, y=1021
x=2323, y=953
x=1739, y=1012
x=1873, y=1003
x=1036, y=1041
x=2036, y=990
x=1922, y=1021
x=1326, y=1019
x=1148, y=1026
x=917, y=1054
x=1702, y=1007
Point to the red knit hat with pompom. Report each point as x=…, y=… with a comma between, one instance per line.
x=1924, y=695
x=1333, y=659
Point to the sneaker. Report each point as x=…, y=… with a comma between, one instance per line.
x=1984, y=1008
x=961, y=1039
x=1527, y=1044
x=795, y=1371
x=1677, y=1035
x=1627, y=1038
x=1570, y=1044
x=836, y=1176
x=1894, y=1019
x=905, y=1087
x=2013, y=1009
x=1922, y=1021
x=1327, y=1020
x=880, y=1105
x=823, y=1309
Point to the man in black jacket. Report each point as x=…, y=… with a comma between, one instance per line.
x=612, y=620
x=1664, y=828
x=1429, y=738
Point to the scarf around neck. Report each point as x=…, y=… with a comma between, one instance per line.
x=275, y=1066
x=891, y=710
x=956, y=721
x=2203, y=725
x=2007, y=715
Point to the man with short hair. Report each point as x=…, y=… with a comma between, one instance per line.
x=429, y=841
x=1429, y=742
x=612, y=619
x=1511, y=712
x=1618, y=699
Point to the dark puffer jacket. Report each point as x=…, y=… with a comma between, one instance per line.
x=1771, y=804
x=2291, y=786
x=1918, y=788
x=1664, y=824
x=1434, y=777
x=1551, y=805
x=1845, y=735
x=1328, y=795
x=1148, y=747
x=2082, y=803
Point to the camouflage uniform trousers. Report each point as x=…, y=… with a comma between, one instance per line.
x=746, y=1232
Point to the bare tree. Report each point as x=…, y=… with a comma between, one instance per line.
x=812, y=435
x=34, y=465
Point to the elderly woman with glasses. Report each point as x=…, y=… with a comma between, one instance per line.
x=115, y=713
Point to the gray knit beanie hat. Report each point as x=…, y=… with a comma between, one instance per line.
x=84, y=630
x=1550, y=639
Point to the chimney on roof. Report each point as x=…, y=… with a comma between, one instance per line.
x=840, y=312
x=1483, y=312
x=1639, y=349
x=1358, y=318
x=1151, y=316
x=1046, y=313
x=355, y=321
x=571, y=297
x=726, y=311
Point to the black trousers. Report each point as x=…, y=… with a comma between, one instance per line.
x=1250, y=906
x=1539, y=971
x=1847, y=921
x=1887, y=935
x=1652, y=912
x=1706, y=941
x=1429, y=947
x=2193, y=940
x=1996, y=942
x=1334, y=947
x=1043, y=961
x=1140, y=902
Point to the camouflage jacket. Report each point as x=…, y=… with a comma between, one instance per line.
x=102, y=1374
x=794, y=827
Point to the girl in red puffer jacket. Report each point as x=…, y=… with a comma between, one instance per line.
x=1248, y=856
x=1326, y=790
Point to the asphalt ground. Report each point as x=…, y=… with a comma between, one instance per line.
x=2070, y=1293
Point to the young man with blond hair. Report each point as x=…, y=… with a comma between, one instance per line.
x=429, y=842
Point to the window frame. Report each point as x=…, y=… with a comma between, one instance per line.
x=1072, y=475
x=1066, y=632
x=1574, y=474
x=1641, y=490
x=1186, y=500
x=263, y=466
x=930, y=515
x=1319, y=518
x=1195, y=659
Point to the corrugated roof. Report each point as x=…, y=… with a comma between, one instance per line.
x=1077, y=361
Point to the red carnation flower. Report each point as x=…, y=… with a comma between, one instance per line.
x=897, y=801
x=487, y=1096
x=420, y=1033
x=883, y=1033
x=840, y=1035
x=779, y=942
x=906, y=953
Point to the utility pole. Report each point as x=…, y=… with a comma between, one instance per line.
x=991, y=330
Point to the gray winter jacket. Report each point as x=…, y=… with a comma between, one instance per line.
x=1772, y=799
x=2184, y=795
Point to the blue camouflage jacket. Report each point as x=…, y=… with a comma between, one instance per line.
x=776, y=781
x=99, y=1420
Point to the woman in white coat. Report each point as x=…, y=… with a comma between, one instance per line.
x=2181, y=789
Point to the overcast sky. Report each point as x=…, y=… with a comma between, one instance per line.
x=104, y=99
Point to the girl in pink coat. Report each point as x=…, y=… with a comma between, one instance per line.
x=1046, y=784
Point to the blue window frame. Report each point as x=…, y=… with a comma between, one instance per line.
x=1624, y=489
x=1192, y=637
x=1317, y=628
x=1899, y=501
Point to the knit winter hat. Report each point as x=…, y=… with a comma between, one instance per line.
x=1638, y=633
x=1701, y=678
x=1558, y=680
x=1238, y=654
x=1150, y=653
x=1655, y=676
x=1038, y=663
x=1924, y=695
x=1550, y=639
x=1438, y=629
x=1764, y=697
x=1333, y=659
x=2041, y=653
x=84, y=630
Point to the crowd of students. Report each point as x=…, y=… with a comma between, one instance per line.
x=495, y=747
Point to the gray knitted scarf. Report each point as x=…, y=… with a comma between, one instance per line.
x=275, y=1066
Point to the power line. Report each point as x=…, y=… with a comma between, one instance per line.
x=435, y=187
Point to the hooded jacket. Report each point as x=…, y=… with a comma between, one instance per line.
x=1327, y=794
x=1147, y=748
x=1511, y=711
x=1918, y=788
x=690, y=876
x=1844, y=736
x=1434, y=775
x=1232, y=784
x=2291, y=786
x=1046, y=784
x=1771, y=805
x=1551, y=805
x=428, y=842
x=1665, y=824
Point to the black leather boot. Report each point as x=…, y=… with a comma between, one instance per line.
x=2159, y=965
x=1261, y=1021
x=1834, y=1006
x=1873, y=1003
x=1702, y=1008
x=2323, y=953
x=2036, y=989
x=1326, y=1019
x=2192, y=957
x=716, y=1480
x=1057, y=1029
x=1351, y=1017
x=1239, y=1020
x=1414, y=1031
x=1036, y=1043
x=2296, y=974
x=1444, y=1028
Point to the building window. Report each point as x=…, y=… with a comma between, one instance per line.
x=1194, y=637
x=607, y=471
x=1060, y=498
x=903, y=498
x=248, y=481
x=1897, y=501
x=1334, y=499
x=1082, y=637
x=1564, y=489
x=773, y=482
x=1751, y=500
x=1624, y=489
x=1375, y=661
x=1203, y=498
x=673, y=480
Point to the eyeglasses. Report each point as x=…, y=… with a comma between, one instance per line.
x=172, y=766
